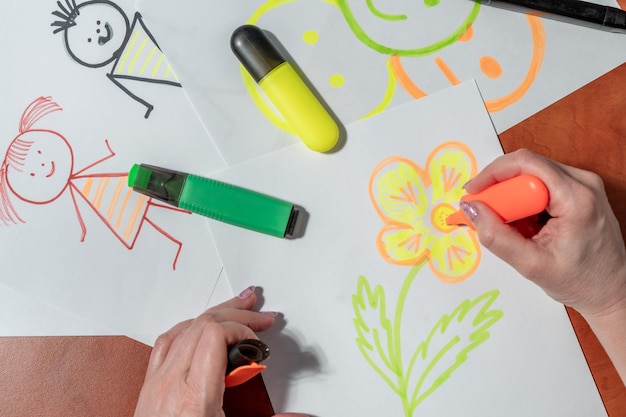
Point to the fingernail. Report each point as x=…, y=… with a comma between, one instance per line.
x=465, y=185
x=247, y=292
x=470, y=211
x=270, y=313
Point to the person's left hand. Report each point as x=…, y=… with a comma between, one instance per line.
x=185, y=375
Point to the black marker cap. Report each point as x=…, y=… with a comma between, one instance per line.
x=255, y=51
x=246, y=352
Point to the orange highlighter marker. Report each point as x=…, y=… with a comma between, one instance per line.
x=514, y=199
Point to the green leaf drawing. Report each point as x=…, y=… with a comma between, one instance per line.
x=445, y=348
x=434, y=360
x=374, y=331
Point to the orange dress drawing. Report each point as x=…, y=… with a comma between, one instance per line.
x=38, y=168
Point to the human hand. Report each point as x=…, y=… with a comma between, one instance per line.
x=578, y=256
x=185, y=375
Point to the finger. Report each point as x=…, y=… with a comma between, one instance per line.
x=208, y=365
x=183, y=348
x=502, y=168
x=245, y=300
x=562, y=181
x=516, y=163
x=162, y=346
x=257, y=321
x=503, y=240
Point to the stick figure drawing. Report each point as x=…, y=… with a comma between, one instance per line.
x=97, y=33
x=38, y=168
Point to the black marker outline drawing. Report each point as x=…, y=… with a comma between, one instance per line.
x=68, y=14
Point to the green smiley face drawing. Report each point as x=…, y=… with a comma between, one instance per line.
x=408, y=27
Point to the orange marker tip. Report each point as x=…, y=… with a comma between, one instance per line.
x=457, y=219
x=243, y=374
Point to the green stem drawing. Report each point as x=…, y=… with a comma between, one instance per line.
x=404, y=291
x=436, y=357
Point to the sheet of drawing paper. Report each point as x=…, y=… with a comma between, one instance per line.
x=81, y=104
x=24, y=315
x=363, y=57
x=387, y=310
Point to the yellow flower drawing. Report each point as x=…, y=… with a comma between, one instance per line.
x=414, y=203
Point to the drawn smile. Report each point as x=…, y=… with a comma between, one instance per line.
x=104, y=39
x=385, y=16
x=52, y=169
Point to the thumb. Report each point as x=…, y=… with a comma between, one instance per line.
x=499, y=238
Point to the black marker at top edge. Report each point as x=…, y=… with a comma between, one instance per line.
x=573, y=11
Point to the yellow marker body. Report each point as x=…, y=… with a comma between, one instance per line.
x=284, y=87
x=300, y=108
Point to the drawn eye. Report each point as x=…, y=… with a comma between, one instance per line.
x=98, y=31
x=39, y=151
x=98, y=22
x=32, y=174
x=490, y=67
x=89, y=40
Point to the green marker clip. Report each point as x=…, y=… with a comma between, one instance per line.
x=217, y=200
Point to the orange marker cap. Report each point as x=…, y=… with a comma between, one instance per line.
x=514, y=199
x=242, y=374
x=243, y=361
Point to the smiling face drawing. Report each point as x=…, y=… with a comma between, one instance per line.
x=42, y=163
x=504, y=74
x=99, y=33
x=398, y=27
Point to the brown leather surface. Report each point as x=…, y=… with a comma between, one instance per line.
x=102, y=376
x=70, y=376
x=91, y=376
x=587, y=129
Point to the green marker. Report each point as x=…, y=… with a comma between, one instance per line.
x=216, y=200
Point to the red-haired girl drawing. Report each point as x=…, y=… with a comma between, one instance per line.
x=38, y=168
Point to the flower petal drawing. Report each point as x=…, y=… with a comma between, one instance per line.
x=455, y=256
x=403, y=244
x=450, y=166
x=400, y=190
x=414, y=204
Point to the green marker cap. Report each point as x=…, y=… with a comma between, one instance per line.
x=215, y=199
x=163, y=184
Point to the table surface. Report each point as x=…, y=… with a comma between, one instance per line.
x=102, y=376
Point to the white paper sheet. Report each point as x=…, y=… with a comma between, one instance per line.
x=126, y=284
x=527, y=362
x=24, y=315
x=521, y=64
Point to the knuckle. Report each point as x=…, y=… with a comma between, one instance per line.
x=487, y=238
x=595, y=181
x=214, y=328
x=163, y=340
x=209, y=316
x=586, y=202
x=524, y=156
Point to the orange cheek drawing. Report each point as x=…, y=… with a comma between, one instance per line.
x=490, y=67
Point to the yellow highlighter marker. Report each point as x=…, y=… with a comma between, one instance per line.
x=284, y=87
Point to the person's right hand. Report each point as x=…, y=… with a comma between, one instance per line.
x=578, y=257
